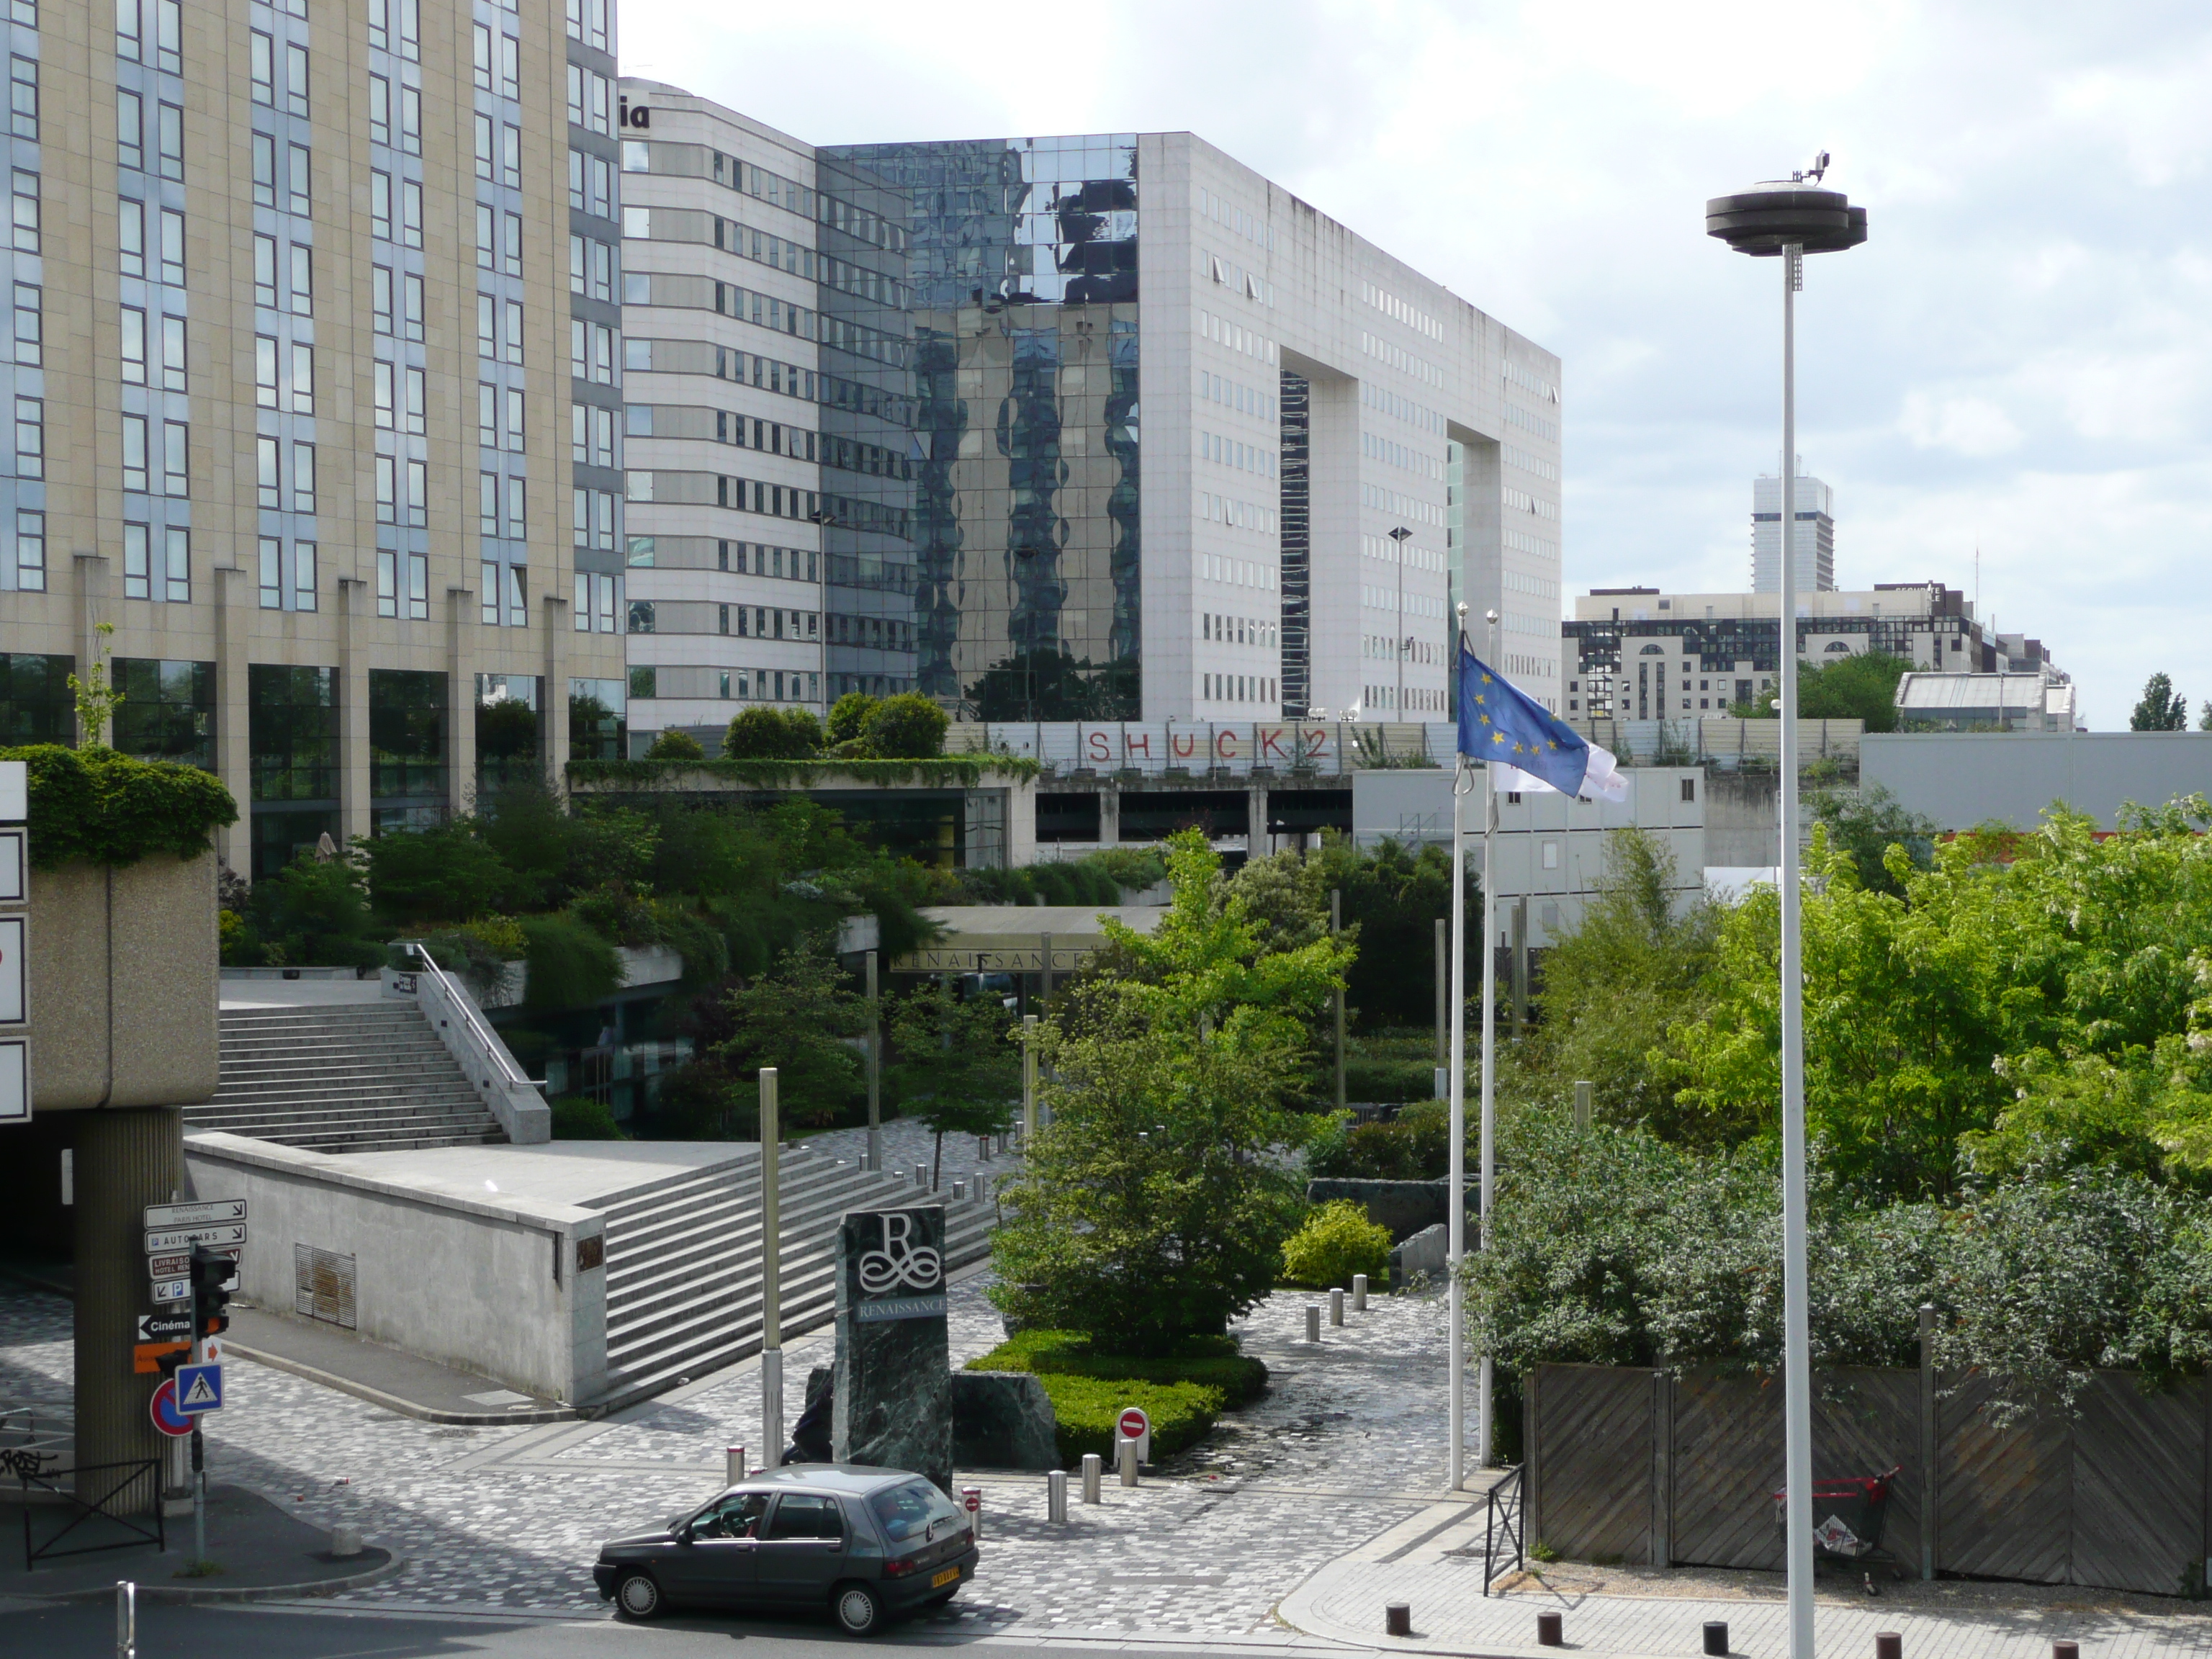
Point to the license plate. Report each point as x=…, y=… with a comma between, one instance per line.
x=945, y=1578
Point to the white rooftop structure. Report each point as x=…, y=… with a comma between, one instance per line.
x=2010, y=702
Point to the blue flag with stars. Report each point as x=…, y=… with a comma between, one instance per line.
x=1499, y=724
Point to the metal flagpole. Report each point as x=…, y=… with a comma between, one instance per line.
x=1456, y=1212
x=1484, y=1436
x=771, y=1139
x=1797, y=1323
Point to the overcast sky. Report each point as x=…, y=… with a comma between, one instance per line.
x=2015, y=359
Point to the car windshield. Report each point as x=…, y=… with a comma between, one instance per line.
x=736, y=1516
x=912, y=1514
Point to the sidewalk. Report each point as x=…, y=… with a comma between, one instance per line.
x=1433, y=1562
x=384, y=1376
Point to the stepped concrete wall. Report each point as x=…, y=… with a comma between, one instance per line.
x=487, y=1284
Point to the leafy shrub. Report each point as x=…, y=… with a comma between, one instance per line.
x=702, y=1102
x=909, y=726
x=1368, y=1078
x=477, y=952
x=314, y=913
x=570, y=966
x=674, y=743
x=1415, y=1146
x=1337, y=1241
x=579, y=1117
x=1212, y=1361
x=765, y=732
x=95, y=805
x=1086, y=1410
x=849, y=716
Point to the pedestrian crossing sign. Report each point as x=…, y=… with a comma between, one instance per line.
x=199, y=1389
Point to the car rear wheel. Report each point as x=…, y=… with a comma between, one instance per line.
x=636, y=1596
x=859, y=1610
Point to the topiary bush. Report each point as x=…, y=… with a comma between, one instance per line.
x=1212, y=1361
x=1337, y=1241
x=909, y=726
x=765, y=732
x=579, y=1117
x=1086, y=1410
x=674, y=743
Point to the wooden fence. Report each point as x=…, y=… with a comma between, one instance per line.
x=1639, y=1465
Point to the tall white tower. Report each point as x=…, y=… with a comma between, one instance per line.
x=1815, y=526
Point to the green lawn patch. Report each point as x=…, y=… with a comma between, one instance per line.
x=1183, y=1393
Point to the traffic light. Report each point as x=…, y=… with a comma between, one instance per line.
x=211, y=1273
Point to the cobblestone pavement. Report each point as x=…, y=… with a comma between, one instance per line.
x=1347, y=1442
x=910, y=1142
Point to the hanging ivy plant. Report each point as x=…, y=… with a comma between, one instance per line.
x=97, y=807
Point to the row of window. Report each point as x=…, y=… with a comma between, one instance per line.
x=281, y=576
x=1238, y=515
x=152, y=353
x=1229, y=214
x=299, y=295
x=592, y=184
x=1528, y=462
x=768, y=311
x=1238, y=688
x=1232, y=394
x=262, y=57
x=168, y=264
x=149, y=33
x=1375, y=447
x=1237, y=572
x=592, y=441
x=268, y=454
x=502, y=506
x=744, y=620
x=1400, y=359
x=591, y=21
x=291, y=188
x=1238, y=630
x=1372, y=396
x=749, y=368
x=394, y=26
x=30, y=437
x=1404, y=604
x=1401, y=506
x=1519, y=375
x=1516, y=416
x=1535, y=546
x=1407, y=552
x=499, y=152
x=598, y=598
x=1419, y=699
x=1540, y=587
x=1245, y=458
x=502, y=589
x=594, y=267
x=1402, y=310
x=1228, y=272
x=395, y=115
x=595, y=521
x=740, y=684
x=1520, y=501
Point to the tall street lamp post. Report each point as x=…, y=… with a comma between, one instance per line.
x=1401, y=536
x=1790, y=219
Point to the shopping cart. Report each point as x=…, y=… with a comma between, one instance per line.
x=1847, y=1516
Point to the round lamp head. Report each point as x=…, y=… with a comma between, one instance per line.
x=1768, y=217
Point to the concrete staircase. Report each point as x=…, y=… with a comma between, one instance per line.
x=683, y=1292
x=343, y=1078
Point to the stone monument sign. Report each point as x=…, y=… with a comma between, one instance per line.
x=893, y=1404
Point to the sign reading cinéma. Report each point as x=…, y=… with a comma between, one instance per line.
x=899, y=1270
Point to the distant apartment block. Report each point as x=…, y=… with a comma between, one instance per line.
x=1813, y=527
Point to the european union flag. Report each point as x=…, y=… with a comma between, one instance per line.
x=1506, y=727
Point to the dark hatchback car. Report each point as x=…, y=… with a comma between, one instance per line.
x=863, y=1543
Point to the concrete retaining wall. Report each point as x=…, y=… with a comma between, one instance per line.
x=488, y=1284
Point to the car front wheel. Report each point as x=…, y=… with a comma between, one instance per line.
x=859, y=1610
x=636, y=1596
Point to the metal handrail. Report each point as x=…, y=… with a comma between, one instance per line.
x=492, y=1046
x=136, y=1469
x=1506, y=1516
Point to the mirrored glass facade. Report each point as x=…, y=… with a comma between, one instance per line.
x=1020, y=302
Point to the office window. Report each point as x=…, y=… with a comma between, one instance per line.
x=576, y=94
x=265, y=271
x=602, y=105
x=303, y=576
x=265, y=170
x=272, y=574
x=576, y=196
x=295, y=79
x=580, y=350
x=303, y=281
x=577, y=281
x=303, y=477
x=481, y=55
x=131, y=236
x=483, y=128
x=603, y=437
x=133, y=348
x=510, y=156
x=510, y=67
x=138, y=563
x=581, y=518
x=410, y=212
x=172, y=354
x=298, y=181
x=303, y=378
x=512, y=248
x=177, y=565
x=130, y=131
x=518, y=599
x=487, y=593
x=396, y=26
x=486, y=503
x=31, y=552
x=514, y=426
x=386, y=378
x=487, y=327
x=264, y=465
x=176, y=457
x=380, y=109
x=172, y=245
x=602, y=271
x=603, y=187
x=487, y=414
x=380, y=204
x=129, y=42
x=487, y=255
x=410, y=306
x=25, y=211
x=418, y=493
x=518, y=517
x=603, y=354
x=23, y=98
x=418, y=586
x=387, y=491
x=169, y=140
x=134, y=453
x=380, y=300
x=579, y=441
x=414, y=408
x=514, y=331
x=30, y=330
x=169, y=23
x=30, y=438
x=261, y=59
x=387, y=582
x=410, y=120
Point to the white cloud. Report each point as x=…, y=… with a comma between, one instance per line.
x=2020, y=352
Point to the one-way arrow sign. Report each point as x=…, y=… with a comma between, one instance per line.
x=193, y=1215
x=183, y=1239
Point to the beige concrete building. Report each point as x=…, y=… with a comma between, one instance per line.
x=315, y=380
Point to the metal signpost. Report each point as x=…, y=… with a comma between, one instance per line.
x=15, y=931
x=771, y=1285
x=192, y=1259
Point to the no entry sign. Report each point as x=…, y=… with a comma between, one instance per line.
x=1135, y=1425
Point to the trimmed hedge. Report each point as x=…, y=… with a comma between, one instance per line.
x=1183, y=1393
x=103, y=807
x=945, y=772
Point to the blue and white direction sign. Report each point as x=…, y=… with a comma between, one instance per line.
x=173, y=1290
x=199, y=1389
x=170, y=1228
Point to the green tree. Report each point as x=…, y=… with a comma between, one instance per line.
x=2160, y=707
x=956, y=1070
x=795, y=1018
x=96, y=700
x=1866, y=824
x=674, y=743
x=849, y=716
x=1862, y=686
x=315, y=913
x=909, y=726
x=2204, y=718
x=1155, y=1204
x=767, y=732
x=448, y=872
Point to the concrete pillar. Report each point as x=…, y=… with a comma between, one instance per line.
x=1109, y=815
x=1255, y=820
x=356, y=600
x=235, y=589
x=125, y=1160
x=553, y=728
x=461, y=608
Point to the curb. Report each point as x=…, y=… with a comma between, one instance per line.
x=378, y=1397
x=187, y=1594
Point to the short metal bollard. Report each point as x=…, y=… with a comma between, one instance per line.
x=1888, y=1644
x=971, y=1498
x=1398, y=1618
x=2065, y=1651
x=1716, y=1636
x=1093, y=1467
x=1336, y=1307
x=921, y=1176
x=1056, y=1496
x=1313, y=1321
x=982, y=1149
x=959, y=1189
x=1126, y=1455
x=1359, y=1293
x=733, y=1464
x=126, y=1619
x=982, y=1188
x=1551, y=1630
